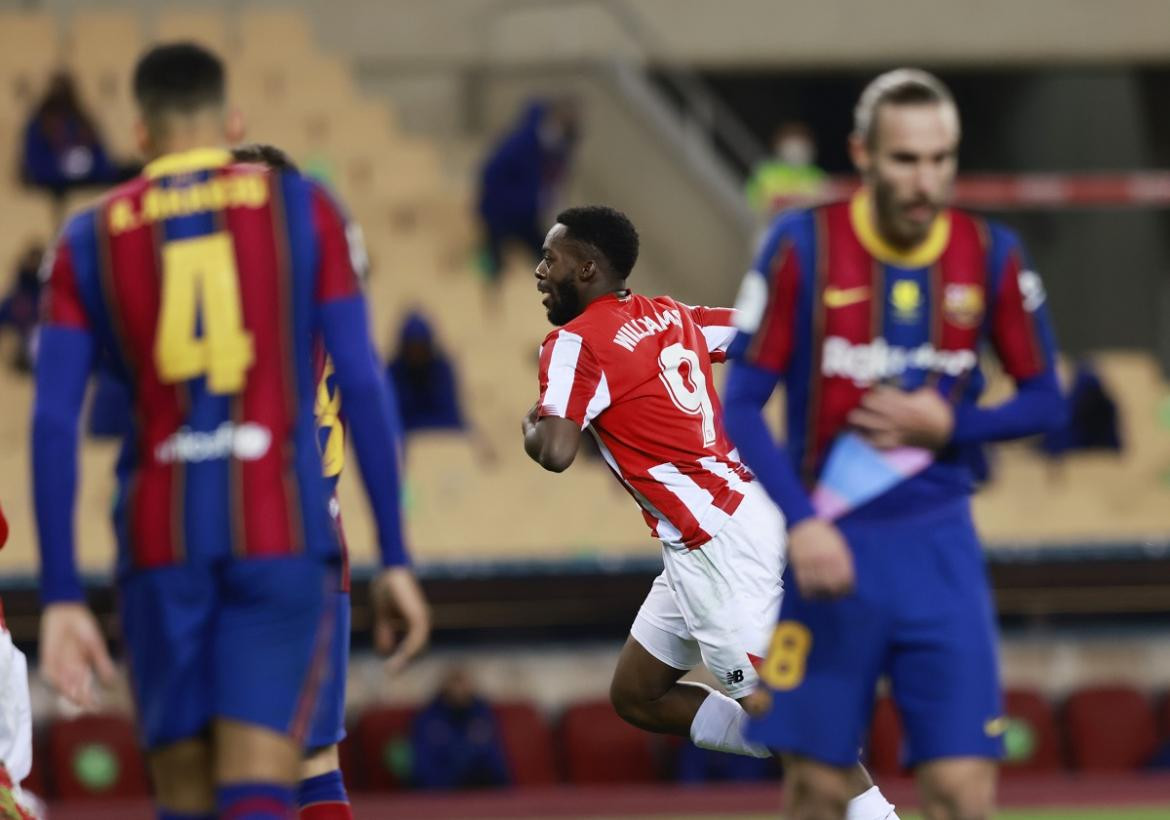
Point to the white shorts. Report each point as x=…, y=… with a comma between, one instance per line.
x=718, y=604
x=15, y=714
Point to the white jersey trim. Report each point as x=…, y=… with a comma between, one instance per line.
x=562, y=372
x=599, y=402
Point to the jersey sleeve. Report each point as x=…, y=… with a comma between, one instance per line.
x=338, y=277
x=1018, y=324
x=572, y=384
x=61, y=305
x=718, y=326
x=765, y=310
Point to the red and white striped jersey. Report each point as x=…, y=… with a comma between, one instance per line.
x=637, y=371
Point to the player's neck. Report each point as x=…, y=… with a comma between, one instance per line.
x=617, y=289
x=188, y=133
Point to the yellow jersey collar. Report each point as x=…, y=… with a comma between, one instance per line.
x=187, y=162
x=921, y=255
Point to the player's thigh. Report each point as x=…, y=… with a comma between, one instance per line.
x=168, y=623
x=660, y=629
x=944, y=668
x=822, y=665
x=729, y=592
x=327, y=727
x=272, y=642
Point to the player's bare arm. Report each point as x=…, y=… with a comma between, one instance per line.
x=551, y=441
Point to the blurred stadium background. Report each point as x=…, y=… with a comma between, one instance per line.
x=534, y=579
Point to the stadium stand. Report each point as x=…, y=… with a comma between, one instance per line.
x=96, y=756
x=1109, y=729
x=381, y=739
x=528, y=744
x=587, y=727
x=1031, y=737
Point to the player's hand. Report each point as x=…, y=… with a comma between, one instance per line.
x=820, y=559
x=889, y=418
x=396, y=596
x=528, y=424
x=72, y=652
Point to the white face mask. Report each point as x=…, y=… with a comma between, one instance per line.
x=795, y=151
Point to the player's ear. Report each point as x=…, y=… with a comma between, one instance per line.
x=588, y=271
x=234, y=128
x=859, y=152
x=142, y=139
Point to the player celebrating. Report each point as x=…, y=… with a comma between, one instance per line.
x=873, y=311
x=637, y=372
x=206, y=283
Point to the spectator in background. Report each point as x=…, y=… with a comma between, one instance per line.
x=424, y=381
x=455, y=741
x=522, y=177
x=62, y=147
x=791, y=172
x=19, y=305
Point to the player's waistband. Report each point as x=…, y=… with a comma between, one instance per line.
x=906, y=515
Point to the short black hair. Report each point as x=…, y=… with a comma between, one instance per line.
x=608, y=230
x=263, y=154
x=178, y=78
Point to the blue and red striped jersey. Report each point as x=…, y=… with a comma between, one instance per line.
x=831, y=309
x=203, y=282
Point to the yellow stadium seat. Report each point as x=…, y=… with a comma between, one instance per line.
x=208, y=27
x=29, y=51
x=271, y=30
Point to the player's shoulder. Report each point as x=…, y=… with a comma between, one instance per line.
x=991, y=233
x=791, y=228
x=795, y=221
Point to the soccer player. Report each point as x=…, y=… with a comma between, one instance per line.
x=321, y=794
x=207, y=283
x=873, y=312
x=637, y=372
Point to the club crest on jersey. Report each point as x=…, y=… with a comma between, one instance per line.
x=906, y=299
x=963, y=304
x=1032, y=290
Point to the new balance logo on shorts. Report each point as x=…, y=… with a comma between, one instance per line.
x=735, y=676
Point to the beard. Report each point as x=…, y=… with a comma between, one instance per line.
x=566, y=304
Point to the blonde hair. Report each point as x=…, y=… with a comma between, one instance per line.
x=902, y=86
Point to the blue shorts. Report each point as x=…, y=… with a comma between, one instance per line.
x=246, y=640
x=922, y=614
x=328, y=724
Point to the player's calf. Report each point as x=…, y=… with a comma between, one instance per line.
x=961, y=788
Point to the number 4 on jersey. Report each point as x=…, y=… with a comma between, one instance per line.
x=200, y=282
x=688, y=390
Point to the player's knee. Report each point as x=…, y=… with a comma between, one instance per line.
x=959, y=794
x=182, y=777
x=757, y=703
x=626, y=700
